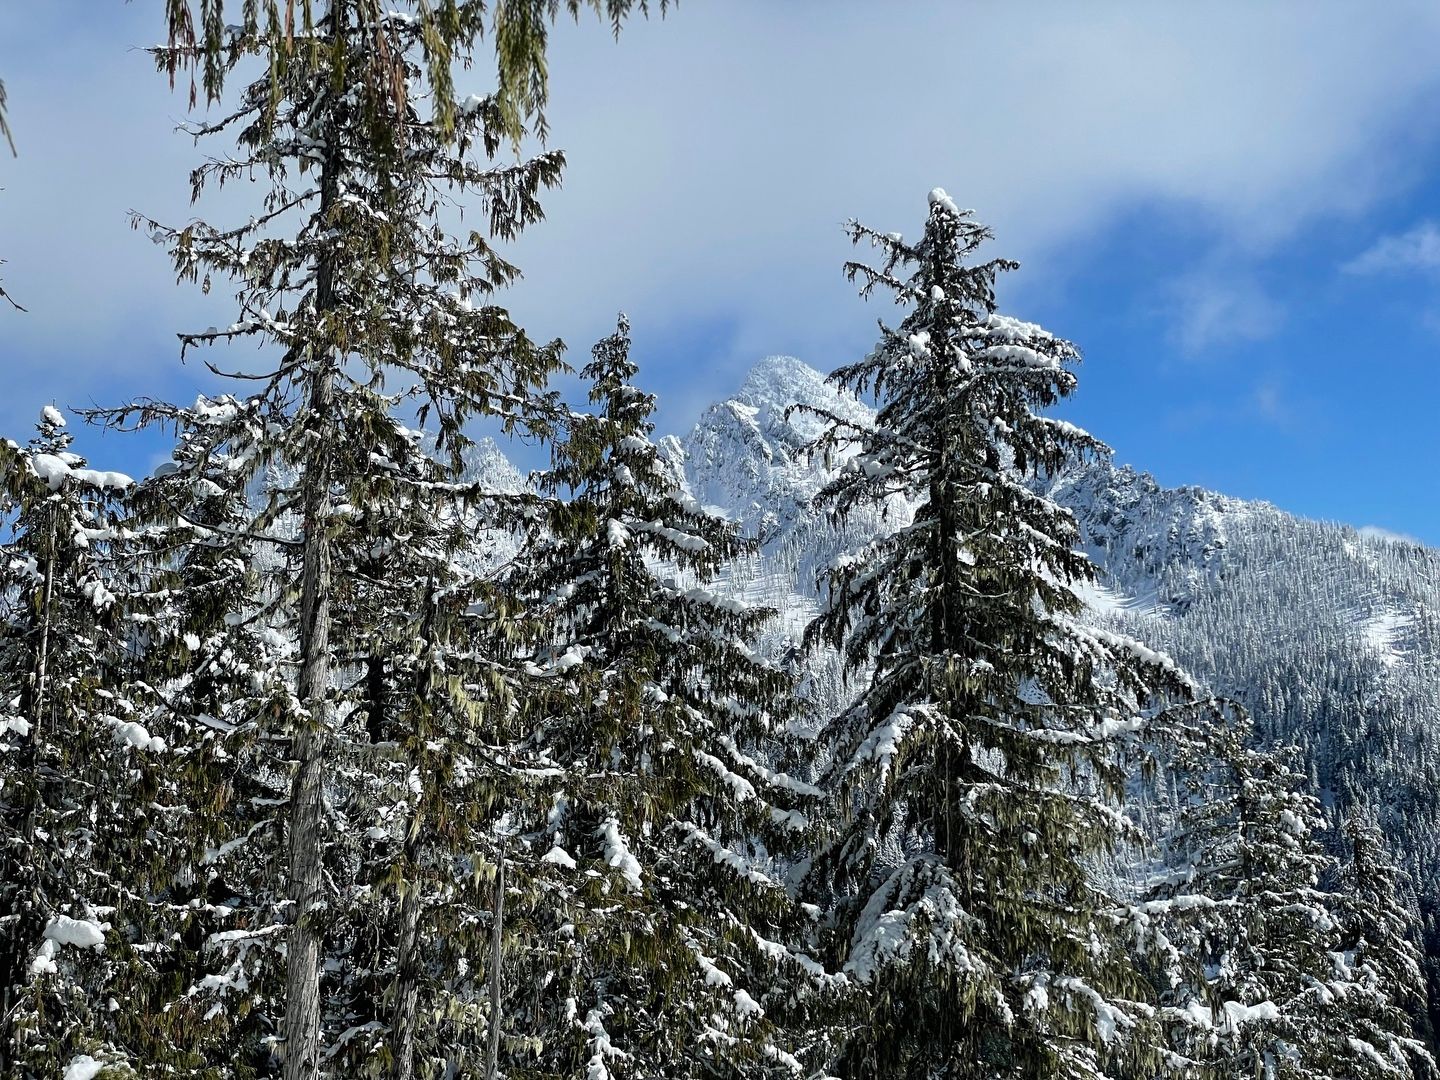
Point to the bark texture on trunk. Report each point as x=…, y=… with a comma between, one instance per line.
x=407, y=989
x=302, y=962
x=407, y=961
x=497, y=934
x=301, y=1025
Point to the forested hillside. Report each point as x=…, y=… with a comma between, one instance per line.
x=1329, y=636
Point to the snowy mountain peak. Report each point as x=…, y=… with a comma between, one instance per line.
x=747, y=457
x=487, y=463
x=778, y=382
x=1127, y=519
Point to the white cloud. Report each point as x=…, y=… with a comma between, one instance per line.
x=1417, y=248
x=1375, y=532
x=714, y=155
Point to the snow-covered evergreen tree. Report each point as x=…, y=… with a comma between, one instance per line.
x=69, y=812
x=436, y=680
x=374, y=317
x=208, y=674
x=1264, y=979
x=975, y=773
x=1373, y=1018
x=1237, y=899
x=669, y=930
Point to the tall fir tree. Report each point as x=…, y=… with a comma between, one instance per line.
x=209, y=674
x=438, y=674
x=975, y=775
x=665, y=825
x=1237, y=905
x=1378, y=957
x=374, y=316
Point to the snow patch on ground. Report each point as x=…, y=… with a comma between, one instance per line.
x=83, y=1067
x=1382, y=633
x=1104, y=599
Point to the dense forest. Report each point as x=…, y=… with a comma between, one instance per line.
x=815, y=745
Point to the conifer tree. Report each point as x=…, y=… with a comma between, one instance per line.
x=432, y=794
x=67, y=808
x=1372, y=1018
x=1239, y=902
x=975, y=773
x=676, y=931
x=373, y=316
x=209, y=674
x=1266, y=979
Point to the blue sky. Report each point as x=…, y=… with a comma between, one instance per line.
x=1230, y=208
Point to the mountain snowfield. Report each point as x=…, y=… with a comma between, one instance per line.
x=1330, y=637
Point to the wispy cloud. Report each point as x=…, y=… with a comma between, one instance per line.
x=1268, y=401
x=1210, y=310
x=719, y=200
x=1417, y=248
x=1376, y=532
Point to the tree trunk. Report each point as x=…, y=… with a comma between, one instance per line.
x=41, y=684
x=407, y=989
x=301, y=1025
x=943, y=619
x=492, y=1056
x=302, y=975
x=407, y=965
x=375, y=698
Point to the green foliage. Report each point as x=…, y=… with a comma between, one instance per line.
x=284, y=31
x=386, y=755
x=71, y=798
x=662, y=827
x=976, y=775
